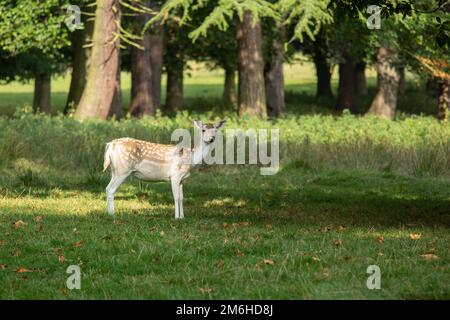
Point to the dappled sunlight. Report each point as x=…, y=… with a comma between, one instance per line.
x=224, y=202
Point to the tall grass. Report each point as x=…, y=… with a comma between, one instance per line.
x=37, y=149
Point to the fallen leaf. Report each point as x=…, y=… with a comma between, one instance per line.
x=429, y=256
x=225, y=225
x=326, y=229
x=18, y=224
x=380, y=239
x=342, y=228
x=220, y=264
x=162, y=233
x=239, y=253
x=415, y=236
x=2, y=266
x=326, y=272
x=269, y=262
x=78, y=244
x=22, y=270
x=206, y=290
x=337, y=242
x=74, y=230
x=64, y=291
x=61, y=258
x=380, y=254
x=315, y=259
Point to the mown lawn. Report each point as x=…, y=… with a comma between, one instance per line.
x=298, y=234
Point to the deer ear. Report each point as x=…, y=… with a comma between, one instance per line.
x=198, y=124
x=220, y=124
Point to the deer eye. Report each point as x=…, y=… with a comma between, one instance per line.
x=203, y=130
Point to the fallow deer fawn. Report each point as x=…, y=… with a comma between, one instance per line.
x=156, y=162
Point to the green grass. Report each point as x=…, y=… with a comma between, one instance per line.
x=350, y=193
x=235, y=220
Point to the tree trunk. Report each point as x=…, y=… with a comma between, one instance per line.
x=274, y=76
x=156, y=59
x=346, y=89
x=80, y=61
x=42, y=93
x=229, y=89
x=385, y=101
x=444, y=99
x=402, y=81
x=251, y=95
x=174, y=94
x=360, y=79
x=101, y=95
x=174, y=67
x=323, y=68
x=142, y=102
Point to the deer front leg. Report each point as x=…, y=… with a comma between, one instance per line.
x=176, y=196
x=180, y=202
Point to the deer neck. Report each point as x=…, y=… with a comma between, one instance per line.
x=200, y=151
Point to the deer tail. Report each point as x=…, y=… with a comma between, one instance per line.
x=107, y=157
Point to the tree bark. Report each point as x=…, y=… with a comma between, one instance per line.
x=42, y=93
x=274, y=76
x=360, y=79
x=444, y=99
x=323, y=68
x=174, y=95
x=142, y=101
x=101, y=95
x=80, y=61
x=251, y=95
x=402, y=81
x=156, y=60
x=174, y=67
x=229, y=89
x=385, y=101
x=346, y=89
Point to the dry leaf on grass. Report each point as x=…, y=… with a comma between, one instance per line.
x=342, y=228
x=269, y=262
x=239, y=253
x=18, y=224
x=2, y=266
x=415, y=236
x=205, y=290
x=78, y=244
x=380, y=239
x=61, y=258
x=429, y=256
x=337, y=242
x=22, y=270
x=219, y=264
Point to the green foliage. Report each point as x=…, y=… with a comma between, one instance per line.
x=308, y=16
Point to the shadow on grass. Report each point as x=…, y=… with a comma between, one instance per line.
x=290, y=197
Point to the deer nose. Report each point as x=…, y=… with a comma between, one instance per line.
x=211, y=139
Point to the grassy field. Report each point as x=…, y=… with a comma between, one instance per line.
x=351, y=192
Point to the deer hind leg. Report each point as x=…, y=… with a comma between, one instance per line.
x=116, y=181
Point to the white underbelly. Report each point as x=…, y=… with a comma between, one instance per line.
x=153, y=171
